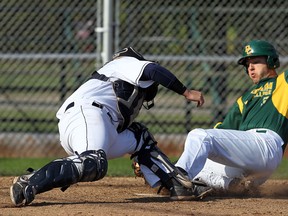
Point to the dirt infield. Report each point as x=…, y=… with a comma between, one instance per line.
x=130, y=196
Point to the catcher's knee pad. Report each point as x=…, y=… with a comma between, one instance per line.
x=94, y=165
x=88, y=166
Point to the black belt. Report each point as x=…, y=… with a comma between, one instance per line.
x=96, y=75
x=261, y=131
x=93, y=104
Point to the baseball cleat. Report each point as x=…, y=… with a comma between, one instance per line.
x=20, y=192
x=181, y=193
x=16, y=191
x=197, y=192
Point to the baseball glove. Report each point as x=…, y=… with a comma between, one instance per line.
x=136, y=169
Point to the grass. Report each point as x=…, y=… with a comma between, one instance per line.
x=281, y=172
x=18, y=166
x=117, y=167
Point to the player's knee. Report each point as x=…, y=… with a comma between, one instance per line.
x=197, y=131
x=95, y=165
x=200, y=136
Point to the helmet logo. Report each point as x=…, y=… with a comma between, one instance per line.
x=248, y=50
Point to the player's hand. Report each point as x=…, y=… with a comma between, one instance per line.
x=195, y=96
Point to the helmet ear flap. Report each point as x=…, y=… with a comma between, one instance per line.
x=245, y=69
x=273, y=62
x=243, y=63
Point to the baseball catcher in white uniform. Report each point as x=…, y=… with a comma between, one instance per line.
x=96, y=123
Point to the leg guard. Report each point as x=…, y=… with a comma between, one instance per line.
x=168, y=180
x=88, y=166
x=149, y=153
x=95, y=165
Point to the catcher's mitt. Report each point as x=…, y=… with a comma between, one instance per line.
x=136, y=169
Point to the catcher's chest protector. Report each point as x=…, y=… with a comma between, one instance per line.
x=130, y=99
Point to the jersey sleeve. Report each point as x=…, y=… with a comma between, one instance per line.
x=164, y=77
x=233, y=117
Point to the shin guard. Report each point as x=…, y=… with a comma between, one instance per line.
x=88, y=166
x=149, y=153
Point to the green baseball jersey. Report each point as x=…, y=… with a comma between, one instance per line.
x=265, y=105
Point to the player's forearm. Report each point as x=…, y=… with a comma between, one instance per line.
x=164, y=77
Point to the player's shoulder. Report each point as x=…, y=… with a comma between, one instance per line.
x=283, y=75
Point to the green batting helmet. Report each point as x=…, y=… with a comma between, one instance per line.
x=260, y=48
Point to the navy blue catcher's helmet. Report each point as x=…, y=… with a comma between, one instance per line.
x=130, y=52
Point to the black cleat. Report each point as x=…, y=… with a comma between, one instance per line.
x=20, y=192
x=197, y=192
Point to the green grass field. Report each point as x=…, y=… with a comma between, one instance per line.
x=18, y=166
x=117, y=167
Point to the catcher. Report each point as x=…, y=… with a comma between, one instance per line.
x=246, y=148
x=96, y=123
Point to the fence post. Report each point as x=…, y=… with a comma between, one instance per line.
x=107, y=33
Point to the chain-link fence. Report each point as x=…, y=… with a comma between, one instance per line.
x=48, y=48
